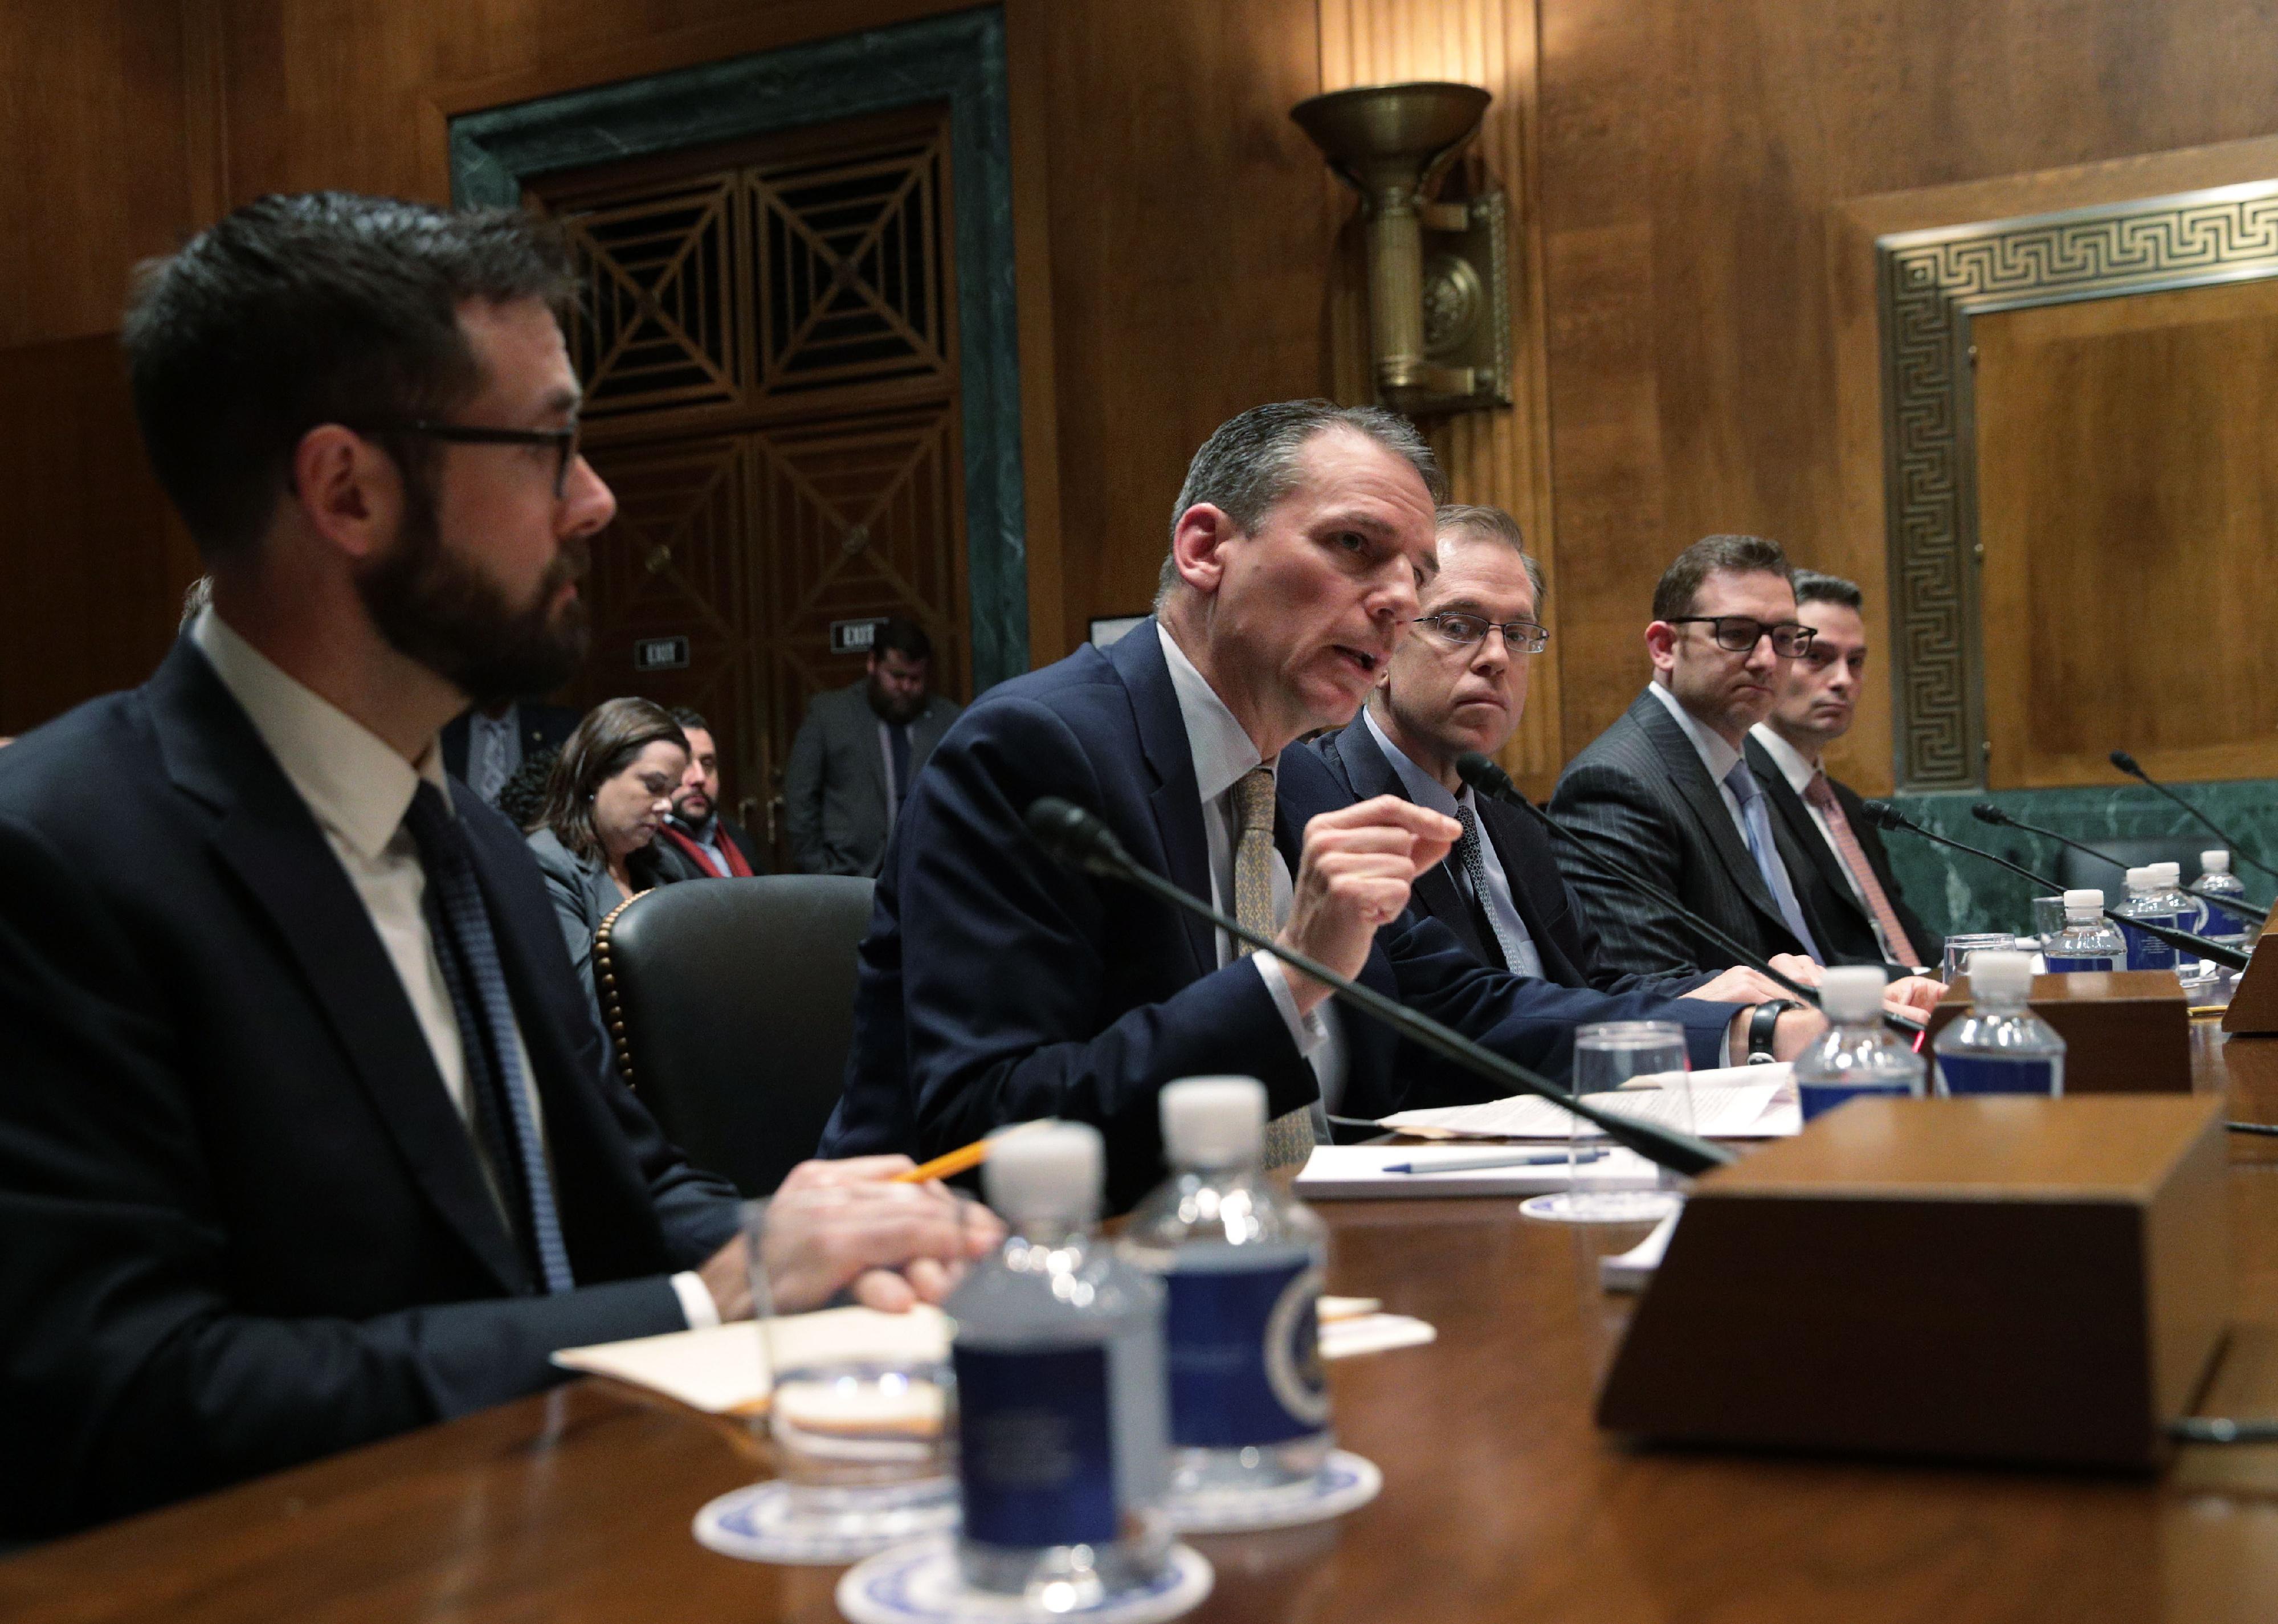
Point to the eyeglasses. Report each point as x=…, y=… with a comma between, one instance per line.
x=564, y=440
x=1740, y=633
x=1462, y=631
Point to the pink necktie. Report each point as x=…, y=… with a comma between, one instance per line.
x=1862, y=872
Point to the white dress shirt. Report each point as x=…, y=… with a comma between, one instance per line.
x=1799, y=774
x=1717, y=757
x=1222, y=754
x=358, y=789
x=1426, y=791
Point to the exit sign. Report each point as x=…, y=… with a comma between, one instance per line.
x=660, y=654
x=853, y=636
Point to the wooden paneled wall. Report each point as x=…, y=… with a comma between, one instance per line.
x=1677, y=167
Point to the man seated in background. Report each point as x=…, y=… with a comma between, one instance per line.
x=487, y=745
x=858, y=753
x=306, y=1135
x=997, y=984
x=1457, y=684
x=1666, y=790
x=1847, y=884
x=704, y=840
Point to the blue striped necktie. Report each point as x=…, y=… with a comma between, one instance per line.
x=505, y=1125
x=1757, y=822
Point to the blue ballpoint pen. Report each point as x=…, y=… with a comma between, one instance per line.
x=1480, y=1164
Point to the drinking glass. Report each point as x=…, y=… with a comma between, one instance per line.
x=860, y=1406
x=1958, y=949
x=1607, y=1056
x=2048, y=918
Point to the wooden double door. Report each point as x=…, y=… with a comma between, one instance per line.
x=768, y=342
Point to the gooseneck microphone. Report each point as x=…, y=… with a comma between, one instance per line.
x=1882, y=815
x=1986, y=812
x=1081, y=840
x=1486, y=777
x=2128, y=764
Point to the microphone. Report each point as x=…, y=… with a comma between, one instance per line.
x=1986, y=812
x=2128, y=764
x=1078, y=838
x=1487, y=779
x=1882, y=815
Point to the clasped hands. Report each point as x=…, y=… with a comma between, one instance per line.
x=837, y=1226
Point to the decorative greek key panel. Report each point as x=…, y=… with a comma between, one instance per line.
x=658, y=325
x=1931, y=283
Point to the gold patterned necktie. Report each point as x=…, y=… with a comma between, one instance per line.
x=1290, y=1138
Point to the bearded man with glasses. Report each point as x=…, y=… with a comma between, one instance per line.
x=1667, y=789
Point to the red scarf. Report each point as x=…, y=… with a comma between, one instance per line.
x=737, y=869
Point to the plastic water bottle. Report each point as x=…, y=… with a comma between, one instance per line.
x=2001, y=1046
x=2089, y=940
x=1858, y=1055
x=1242, y=1266
x=2145, y=951
x=2233, y=929
x=1059, y=1353
x=2168, y=891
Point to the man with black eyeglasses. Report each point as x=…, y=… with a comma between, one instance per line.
x=1667, y=789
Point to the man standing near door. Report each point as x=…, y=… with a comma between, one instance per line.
x=859, y=750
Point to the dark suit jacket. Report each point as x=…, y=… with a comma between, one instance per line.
x=835, y=780
x=584, y=894
x=244, y=1224
x=1845, y=929
x=544, y=727
x=1639, y=795
x=1553, y=917
x=996, y=985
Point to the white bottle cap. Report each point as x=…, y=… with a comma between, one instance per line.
x=2090, y=903
x=1213, y=1121
x=2215, y=862
x=1996, y=972
x=1054, y=1170
x=1852, y=992
x=2169, y=874
x=2139, y=879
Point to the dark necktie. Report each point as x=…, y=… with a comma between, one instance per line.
x=1475, y=876
x=504, y=1122
x=897, y=743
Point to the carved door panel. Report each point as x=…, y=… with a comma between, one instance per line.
x=768, y=348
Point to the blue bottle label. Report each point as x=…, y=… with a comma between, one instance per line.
x=1984, y=1073
x=2058, y=964
x=1818, y=1099
x=2145, y=952
x=1245, y=1357
x=1035, y=1450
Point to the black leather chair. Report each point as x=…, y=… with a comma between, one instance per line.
x=730, y=1005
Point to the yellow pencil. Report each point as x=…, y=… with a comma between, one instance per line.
x=960, y=1159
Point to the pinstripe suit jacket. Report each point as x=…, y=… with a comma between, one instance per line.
x=1639, y=796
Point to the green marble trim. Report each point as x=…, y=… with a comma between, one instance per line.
x=1965, y=894
x=958, y=59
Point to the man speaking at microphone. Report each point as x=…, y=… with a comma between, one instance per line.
x=998, y=985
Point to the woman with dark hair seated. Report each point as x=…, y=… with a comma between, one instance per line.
x=604, y=800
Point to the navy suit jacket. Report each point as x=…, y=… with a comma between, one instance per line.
x=996, y=985
x=544, y=727
x=245, y=1225
x=1554, y=918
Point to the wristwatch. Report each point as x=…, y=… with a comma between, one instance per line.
x=1761, y=1024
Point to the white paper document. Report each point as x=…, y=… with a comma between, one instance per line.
x=1629, y=1271
x=724, y=1369
x=1359, y=1172
x=1731, y=1102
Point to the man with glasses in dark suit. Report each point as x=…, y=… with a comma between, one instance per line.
x=1667, y=789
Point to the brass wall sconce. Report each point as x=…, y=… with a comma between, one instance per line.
x=1439, y=322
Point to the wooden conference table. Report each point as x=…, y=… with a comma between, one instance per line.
x=1501, y=1499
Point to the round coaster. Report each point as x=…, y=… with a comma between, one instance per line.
x=1614, y=1206
x=1345, y=1483
x=757, y=1524
x=919, y=1583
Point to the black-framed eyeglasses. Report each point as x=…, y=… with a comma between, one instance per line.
x=564, y=440
x=1740, y=633
x=1459, y=631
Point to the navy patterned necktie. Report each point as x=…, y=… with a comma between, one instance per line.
x=504, y=1122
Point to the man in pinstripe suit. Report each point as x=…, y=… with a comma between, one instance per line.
x=1667, y=788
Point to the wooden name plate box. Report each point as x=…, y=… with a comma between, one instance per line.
x=2001, y=1279
x=2125, y=1031
x=2254, y=1000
